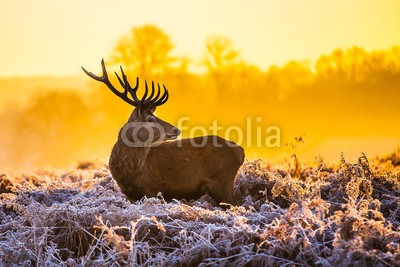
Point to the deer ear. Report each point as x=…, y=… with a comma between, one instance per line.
x=152, y=110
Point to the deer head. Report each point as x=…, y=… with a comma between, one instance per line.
x=143, y=127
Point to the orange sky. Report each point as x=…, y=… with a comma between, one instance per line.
x=47, y=37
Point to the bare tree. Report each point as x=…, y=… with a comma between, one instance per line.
x=221, y=59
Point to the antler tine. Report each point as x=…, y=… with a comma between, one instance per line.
x=149, y=99
x=158, y=92
x=133, y=91
x=127, y=86
x=164, y=98
x=122, y=83
x=157, y=98
x=142, y=101
x=119, y=79
x=104, y=79
x=159, y=101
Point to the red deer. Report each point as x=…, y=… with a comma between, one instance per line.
x=146, y=159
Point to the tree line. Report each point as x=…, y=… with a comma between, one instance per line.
x=347, y=92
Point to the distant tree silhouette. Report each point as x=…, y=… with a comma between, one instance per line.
x=356, y=65
x=145, y=50
x=291, y=77
x=221, y=59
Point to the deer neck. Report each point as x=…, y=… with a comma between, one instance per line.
x=137, y=156
x=140, y=155
x=131, y=160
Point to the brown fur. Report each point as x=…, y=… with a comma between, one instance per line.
x=176, y=168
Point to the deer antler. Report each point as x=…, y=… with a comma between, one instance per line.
x=144, y=103
x=150, y=102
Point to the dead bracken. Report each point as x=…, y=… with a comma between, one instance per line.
x=343, y=215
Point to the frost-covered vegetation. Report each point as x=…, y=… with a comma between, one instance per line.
x=319, y=215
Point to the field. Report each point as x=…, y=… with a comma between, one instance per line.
x=313, y=214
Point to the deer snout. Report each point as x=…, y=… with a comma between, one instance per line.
x=173, y=133
x=177, y=131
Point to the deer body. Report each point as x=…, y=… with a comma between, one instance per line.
x=146, y=159
x=182, y=171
